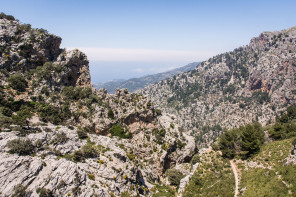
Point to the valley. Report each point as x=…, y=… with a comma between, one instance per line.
x=224, y=127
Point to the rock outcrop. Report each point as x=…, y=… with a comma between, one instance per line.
x=251, y=83
x=61, y=137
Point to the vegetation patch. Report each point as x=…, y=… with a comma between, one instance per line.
x=21, y=147
x=18, y=82
x=174, y=176
x=213, y=177
x=270, y=177
x=120, y=131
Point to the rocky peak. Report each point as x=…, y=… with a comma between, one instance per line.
x=254, y=82
x=24, y=48
x=59, y=136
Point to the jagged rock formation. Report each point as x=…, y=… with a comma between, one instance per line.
x=61, y=136
x=251, y=83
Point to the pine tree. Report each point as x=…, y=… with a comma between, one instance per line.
x=252, y=138
x=228, y=143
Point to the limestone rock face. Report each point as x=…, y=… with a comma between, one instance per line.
x=250, y=83
x=75, y=69
x=122, y=164
x=24, y=48
x=79, y=141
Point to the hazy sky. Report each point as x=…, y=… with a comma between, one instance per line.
x=131, y=38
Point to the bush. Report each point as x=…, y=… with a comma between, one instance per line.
x=87, y=151
x=159, y=135
x=20, y=191
x=77, y=93
x=21, y=116
x=81, y=133
x=5, y=121
x=91, y=177
x=118, y=130
x=8, y=17
x=110, y=114
x=49, y=113
x=180, y=144
x=43, y=192
x=158, y=112
x=6, y=111
x=61, y=138
x=277, y=131
x=195, y=159
x=18, y=82
x=21, y=147
x=174, y=176
x=291, y=111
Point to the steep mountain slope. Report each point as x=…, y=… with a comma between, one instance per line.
x=59, y=136
x=139, y=83
x=262, y=159
x=254, y=82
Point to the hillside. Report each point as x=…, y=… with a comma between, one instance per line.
x=141, y=82
x=59, y=136
x=247, y=161
x=271, y=172
x=251, y=83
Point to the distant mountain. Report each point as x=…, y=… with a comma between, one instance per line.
x=141, y=82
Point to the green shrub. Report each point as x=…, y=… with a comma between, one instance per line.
x=22, y=115
x=159, y=135
x=180, y=144
x=6, y=111
x=118, y=130
x=87, y=151
x=18, y=82
x=77, y=93
x=5, y=121
x=19, y=191
x=172, y=125
x=174, y=176
x=277, y=131
x=195, y=159
x=91, y=177
x=45, y=91
x=110, y=114
x=61, y=138
x=50, y=113
x=81, y=133
x=21, y=147
x=291, y=112
x=125, y=194
x=43, y=192
x=8, y=17
x=158, y=112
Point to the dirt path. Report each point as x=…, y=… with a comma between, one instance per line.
x=235, y=172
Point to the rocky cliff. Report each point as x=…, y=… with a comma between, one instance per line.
x=59, y=136
x=251, y=83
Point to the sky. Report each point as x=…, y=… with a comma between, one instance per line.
x=132, y=38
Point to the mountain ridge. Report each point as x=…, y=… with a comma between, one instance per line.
x=134, y=84
x=59, y=136
x=254, y=82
